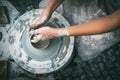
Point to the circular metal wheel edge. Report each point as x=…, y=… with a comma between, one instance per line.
x=51, y=57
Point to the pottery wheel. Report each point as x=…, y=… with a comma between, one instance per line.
x=45, y=56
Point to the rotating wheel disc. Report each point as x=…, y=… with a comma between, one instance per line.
x=45, y=56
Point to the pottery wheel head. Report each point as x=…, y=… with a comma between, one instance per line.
x=44, y=56
x=41, y=44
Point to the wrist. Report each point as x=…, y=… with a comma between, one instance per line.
x=63, y=32
x=45, y=13
x=49, y=10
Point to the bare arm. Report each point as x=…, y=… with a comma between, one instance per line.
x=53, y=4
x=93, y=27
x=98, y=26
x=46, y=14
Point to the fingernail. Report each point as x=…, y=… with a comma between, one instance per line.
x=33, y=41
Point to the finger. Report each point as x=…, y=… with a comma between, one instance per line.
x=39, y=37
x=31, y=27
x=35, y=35
x=34, y=23
x=32, y=32
x=34, y=41
x=37, y=31
x=36, y=38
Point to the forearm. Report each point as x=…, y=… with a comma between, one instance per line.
x=53, y=4
x=98, y=26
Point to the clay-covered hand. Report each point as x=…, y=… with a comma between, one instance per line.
x=45, y=33
x=39, y=21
